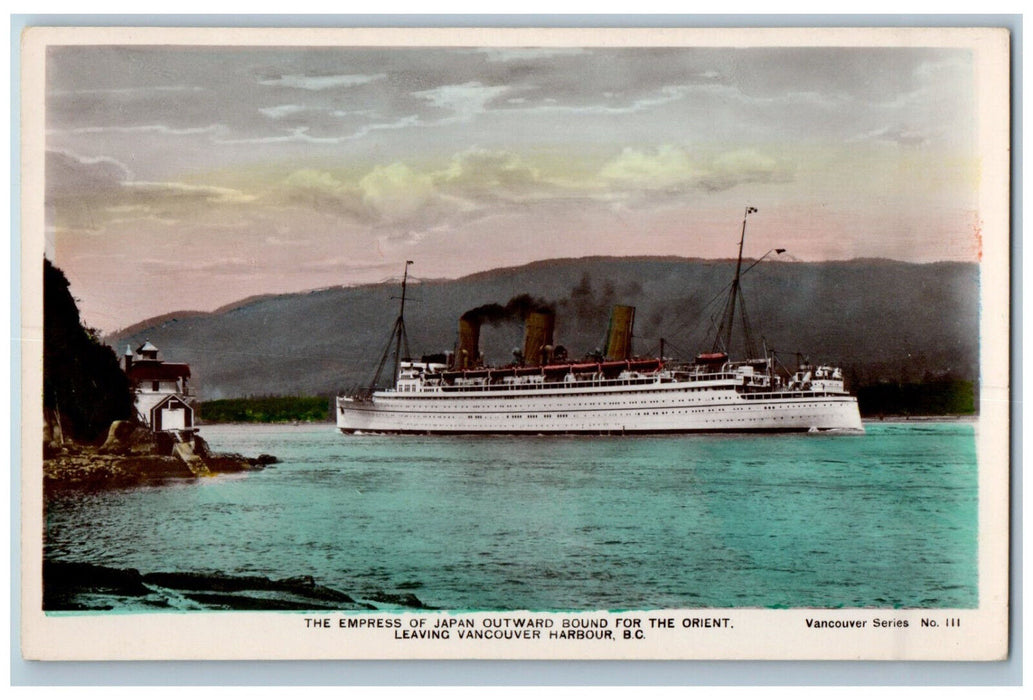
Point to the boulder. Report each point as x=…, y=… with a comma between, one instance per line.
x=227, y=462
x=80, y=586
x=155, y=467
x=130, y=438
x=201, y=448
x=65, y=582
x=407, y=600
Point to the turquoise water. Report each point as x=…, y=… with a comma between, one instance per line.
x=885, y=519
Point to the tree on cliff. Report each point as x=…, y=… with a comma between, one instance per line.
x=83, y=384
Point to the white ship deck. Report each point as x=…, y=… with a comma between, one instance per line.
x=657, y=404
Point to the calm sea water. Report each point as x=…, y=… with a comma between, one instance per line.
x=885, y=519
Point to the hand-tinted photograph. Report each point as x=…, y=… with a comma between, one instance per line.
x=430, y=331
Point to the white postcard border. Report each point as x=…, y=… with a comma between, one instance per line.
x=748, y=634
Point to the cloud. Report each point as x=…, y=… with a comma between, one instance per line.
x=668, y=166
x=505, y=55
x=471, y=184
x=353, y=112
x=479, y=170
x=396, y=192
x=664, y=95
x=736, y=167
x=323, y=192
x=94, y=194
x=671, y=168
x=121, y=209
x=474, y=183
x=345, y=264
x=139, y=129
x=321, y=82
x=176, y=190
x=401, y=123
x=132, y=91
x=386, y=195
x=301, y=134
x=71, y=174
x=897, y=134
x=296, y=135
x=220, y=265
x=311, y=179
x=464, y=101
x=281, y=111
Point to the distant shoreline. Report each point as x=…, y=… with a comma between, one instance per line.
x=901, y=418
x=267, y=409
x=943, y=398
x=286, y=423
x=895, y=418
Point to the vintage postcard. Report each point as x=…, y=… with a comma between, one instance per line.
x=515, y=344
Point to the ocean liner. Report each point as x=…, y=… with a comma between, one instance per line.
x=544, y=392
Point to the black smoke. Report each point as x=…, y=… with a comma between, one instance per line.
x=589, y=302
x=519, y=307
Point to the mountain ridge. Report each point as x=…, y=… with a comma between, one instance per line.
x=132, y=328
x=879, y=319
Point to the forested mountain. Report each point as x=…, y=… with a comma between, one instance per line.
x=879, y=319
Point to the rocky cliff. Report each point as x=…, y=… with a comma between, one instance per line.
x=84, y=389
x=133, y=455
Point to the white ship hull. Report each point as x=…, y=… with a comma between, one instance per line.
x=652, y=407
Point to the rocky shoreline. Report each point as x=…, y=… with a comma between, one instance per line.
x=132, y=455
x=84, y=467
x=81, y=587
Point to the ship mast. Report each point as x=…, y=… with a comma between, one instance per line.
x=398, y=336
x=400, y=323
x=735, y=297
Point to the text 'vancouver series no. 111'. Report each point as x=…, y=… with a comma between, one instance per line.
x=675, y=328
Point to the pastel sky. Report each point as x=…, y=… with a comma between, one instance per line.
x=190, y=177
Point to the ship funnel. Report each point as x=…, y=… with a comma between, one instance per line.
x=538, y=330
x=618, y=336
x=468, y=352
